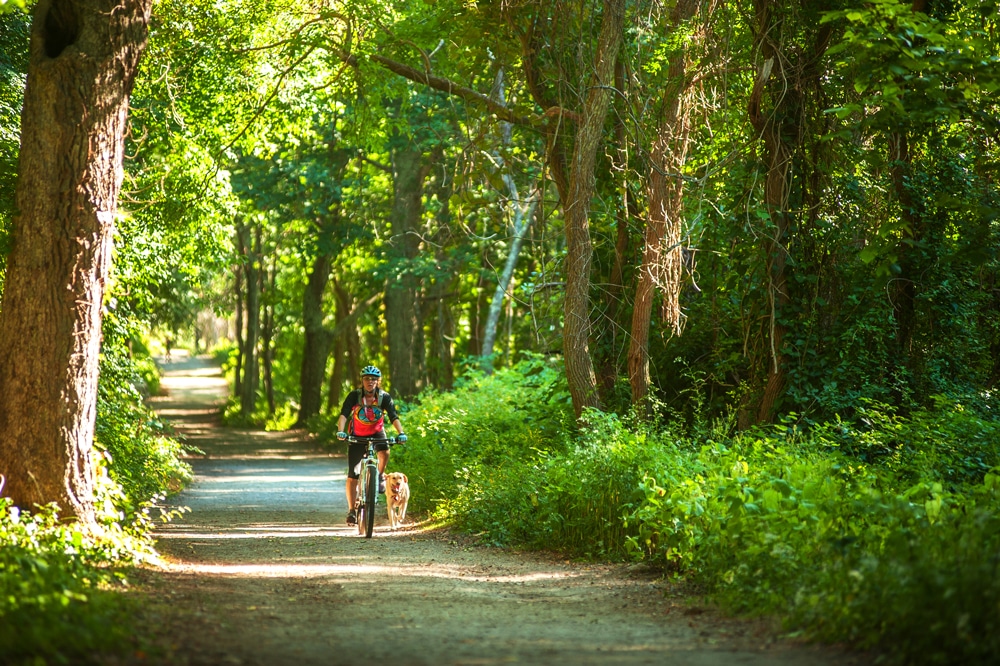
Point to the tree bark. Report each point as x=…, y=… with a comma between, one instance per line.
x=267, y=335
x=317, y=340
x=776, y=110
x=251, y=358
x=580, y=189
x=82, y=65
x=239, y=324
x=350, y=332
x=625, y=210
x=336, y=384
x=662, y=260
x=404, y=328
x=477, y=306
x=524, y=213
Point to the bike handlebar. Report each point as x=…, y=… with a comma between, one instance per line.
x=351, y=439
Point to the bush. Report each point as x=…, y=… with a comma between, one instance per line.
x=143, y=458
x=883, y=533
x=487, y=423
x=59, y=598
x=772, y=525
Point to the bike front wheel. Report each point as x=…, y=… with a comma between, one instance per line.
x=361, y=518
x=371, y=492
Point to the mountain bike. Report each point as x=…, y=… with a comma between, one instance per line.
x=368, y=483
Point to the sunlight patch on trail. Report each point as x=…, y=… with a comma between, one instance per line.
x=348, y=573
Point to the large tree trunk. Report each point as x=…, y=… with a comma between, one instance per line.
x=662, y=260
x=404, y=328
x=83, y=60
x=580, y=189
x=608, y=363
x=775, y=115
x=317, y=340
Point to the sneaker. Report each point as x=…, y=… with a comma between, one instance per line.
x=381, y=484
x=352, y=517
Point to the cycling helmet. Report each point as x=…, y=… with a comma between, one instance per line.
x=370, y=371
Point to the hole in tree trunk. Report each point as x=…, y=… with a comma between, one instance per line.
x=61, y=27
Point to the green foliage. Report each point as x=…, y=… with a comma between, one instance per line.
x=60, y=593
x=14, y=32
x=61, y=590
x=144, y=459
x=489, y=423
x=881, y=533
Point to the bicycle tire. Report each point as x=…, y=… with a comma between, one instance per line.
x=361, y=518
x=371, y=493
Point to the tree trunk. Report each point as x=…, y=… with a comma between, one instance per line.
x=580, y=189
x=477, y=306
x=524, y=213
x=777, y=112
x=444, y=334
x=267, y=336
x=404, y=328
x=351, y=337
x=239, y=324
x=662, y=260
x=83, y=60
x=317, y=340
x=608, y=364
x=336, y=384
x=251, y=365
x=904, y=290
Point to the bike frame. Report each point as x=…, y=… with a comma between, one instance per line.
x=368, y=483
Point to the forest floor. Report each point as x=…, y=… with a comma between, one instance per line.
x=263, y=570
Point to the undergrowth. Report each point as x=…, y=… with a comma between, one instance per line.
x=882, y=531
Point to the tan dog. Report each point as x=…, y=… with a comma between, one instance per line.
x=397, y=496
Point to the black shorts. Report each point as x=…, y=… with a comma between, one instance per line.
x=356, y=451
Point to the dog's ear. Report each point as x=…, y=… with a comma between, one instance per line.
x=405, y=480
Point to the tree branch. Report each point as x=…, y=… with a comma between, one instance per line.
x=349, y=320
x=446, y=86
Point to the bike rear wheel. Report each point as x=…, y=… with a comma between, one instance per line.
x=371, y=492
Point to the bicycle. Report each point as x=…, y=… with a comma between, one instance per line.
x=368, y=480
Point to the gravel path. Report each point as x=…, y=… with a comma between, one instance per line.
x=263, y=570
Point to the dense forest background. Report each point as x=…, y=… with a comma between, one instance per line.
x=779, y=207
x=738, y=261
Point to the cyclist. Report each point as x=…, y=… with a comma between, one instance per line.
x=363, y=415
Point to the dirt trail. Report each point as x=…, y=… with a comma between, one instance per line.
x=263, y=570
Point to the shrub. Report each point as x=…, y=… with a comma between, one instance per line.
x=488, y=422
x=143, y=458
x=769, y=525
x=883, y=534
x=59, y=597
